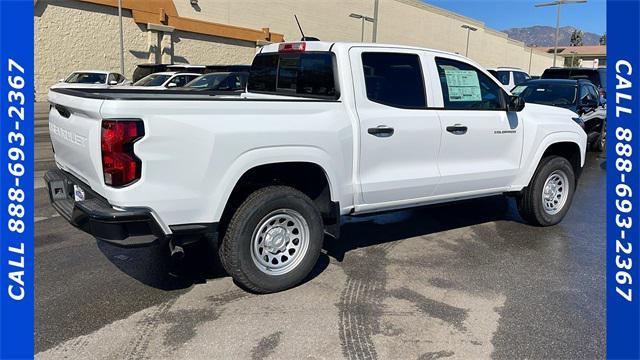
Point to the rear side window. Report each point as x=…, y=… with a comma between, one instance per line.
x=394, y=79
x=294, y=74
x=502, y=76
x=520, y=77
x=466, y=88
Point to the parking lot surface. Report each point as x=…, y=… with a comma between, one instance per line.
x=459, y=281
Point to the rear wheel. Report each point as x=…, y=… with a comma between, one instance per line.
x=273, y=239
x=547, y=199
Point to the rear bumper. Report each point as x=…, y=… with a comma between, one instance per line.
x=94, y=215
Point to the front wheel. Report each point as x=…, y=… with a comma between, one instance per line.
x=273, y=240
x=546, y=200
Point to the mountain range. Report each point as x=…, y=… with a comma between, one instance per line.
x=545, y=35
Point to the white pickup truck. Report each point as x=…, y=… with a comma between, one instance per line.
x=324, y=130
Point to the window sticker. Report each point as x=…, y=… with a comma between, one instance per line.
x=463, y=85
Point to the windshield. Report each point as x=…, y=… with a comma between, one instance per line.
x=209, y=81
x=152, y=80
x=547, y=94
x=86, y=78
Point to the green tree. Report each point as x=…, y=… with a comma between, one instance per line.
x=603, y=39
x=576, y=38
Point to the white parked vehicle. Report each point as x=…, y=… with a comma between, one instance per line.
x=165, y=80
x=95, y=79
x=325, y=130
x=509, y=77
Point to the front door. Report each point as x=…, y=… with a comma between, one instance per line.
x=481, y=141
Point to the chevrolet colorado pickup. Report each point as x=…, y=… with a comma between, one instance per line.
x=324, y=130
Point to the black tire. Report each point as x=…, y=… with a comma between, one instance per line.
x=237, y=244
x=530, y=204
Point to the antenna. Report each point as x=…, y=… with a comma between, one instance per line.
x=299, y=27
x=304, y=38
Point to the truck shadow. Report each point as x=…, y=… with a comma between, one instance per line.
x=154, y=267
x=363, y=231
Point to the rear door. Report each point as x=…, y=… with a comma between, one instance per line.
x=399, y=135
x=481, y=141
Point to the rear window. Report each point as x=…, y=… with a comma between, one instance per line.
x=294, y=74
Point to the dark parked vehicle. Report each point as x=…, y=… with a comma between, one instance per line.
x=219, y=81
x=580, y=96
x=597, y=76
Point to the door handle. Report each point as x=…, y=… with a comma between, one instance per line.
x=381, y=131
x=457, y=129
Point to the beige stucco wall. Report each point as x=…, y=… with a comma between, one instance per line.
x=71, y=35
x=408, y=22
x=77, y=36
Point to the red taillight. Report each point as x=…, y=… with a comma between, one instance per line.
x=292, y=47
x=120, y=165
x=602, y=92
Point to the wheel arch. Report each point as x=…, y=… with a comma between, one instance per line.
x=307, y=169
x=567, y=144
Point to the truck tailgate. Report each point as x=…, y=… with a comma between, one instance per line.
x=75, y=130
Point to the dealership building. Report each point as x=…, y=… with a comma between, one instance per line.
x=84, y=34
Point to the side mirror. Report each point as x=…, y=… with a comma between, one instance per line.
x=113, y=82
x=61, y=80
x=172, y=85
x=516, y=103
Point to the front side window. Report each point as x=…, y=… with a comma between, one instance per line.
x=466, y=88
x=394, y=79
x=294, y=74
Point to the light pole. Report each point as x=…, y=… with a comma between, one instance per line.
x=469, y=30
x=558, y=3
x=530, y=57
x=363, y=18
x=376, y=8
x=121, y=38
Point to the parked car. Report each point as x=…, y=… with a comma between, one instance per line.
x=165, y=80
x=92, y=79
x=324, y=130
x=509, y=77
x=580, y=96
x=597, y=76
x=219, y=81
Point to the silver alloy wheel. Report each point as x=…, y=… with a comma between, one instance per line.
x=280, y=241
x=555, y=192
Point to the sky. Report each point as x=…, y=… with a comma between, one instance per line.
x=504, y=14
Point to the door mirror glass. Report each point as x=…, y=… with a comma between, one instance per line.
x=516, y=103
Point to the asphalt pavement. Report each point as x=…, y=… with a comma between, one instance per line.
x=458, y=281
